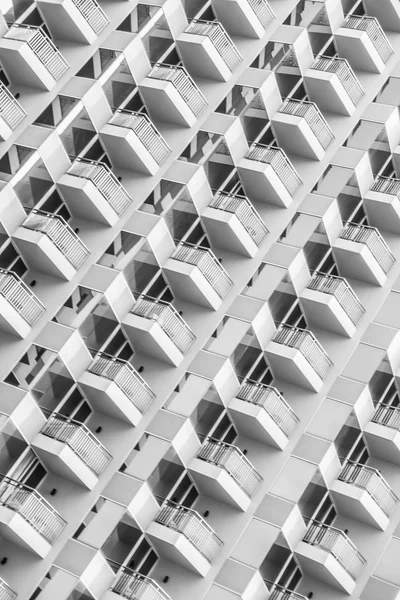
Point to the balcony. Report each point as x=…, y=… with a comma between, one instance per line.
x=49, y=245
x=327, y=554
x=20, y=309
x=234, y=225
x=362, y=253
x=70, y=449
x=156, y=329
x=332, y=85
x=171, y=95
x=260, y=412
x=6, y=593
x=115, y=388
x=268, y=176
x=301, y=128
x=135, y=586
x=383, y=433
x=387, y=12
x=78, y=21
x=11, y=113
x=382, y=204
x=195, y=275
x=92, y=192
x=181, y=535
x=245, y=18
x=30, y=58
x=279, y=593
x=222, y=471
x=360, y=492
x=133, y=143
x=330, y=303
x=27, y=519
x=296, y=356
x=362, y=41
x=208, y=51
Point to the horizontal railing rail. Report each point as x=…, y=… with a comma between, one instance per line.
x=32, y=507
x=126, y=378
x=280, y=163
x=279, y=593
x=387, y=185
x=233, y=460
x=313, y=117
x=183, y=84
x=375, y=33
x=273, y=402
x=10, y=109
x=21, y=298
x=263, y=11
x=345, y=74
x=192, y=526
x=6, y=593
x=141, y=125
x=170, y=321
x=341, y=290
x=309, y=346
x=220, y=40
x=245, y=212
x=135, y=586
x=80, y=439
x=93, y=14
x=371, y=237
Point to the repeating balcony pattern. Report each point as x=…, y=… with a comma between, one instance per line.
x=220, y=40
x=243, y=209
x=338, y=544
x=104, y=180
x=370, y=479
x=208, y=264
x=10, y=109
x=233, y=460
x=370, y=236
x=21, y=298
x=345, y=74
x=80, y=439
x=61, y=234
x=374, y=32
x=169, y=320
x=192, y=526
x=42, y=46
x=387, y=185
x=145, y=131
x=278, y=160
x=263, y=11
x=126, y=378
x=273, y=402
x=341, y=290
x=313, y=117
x=309, y=346
x=6, y=593
x=135, y=586
x=32, y=507
x=183, y=84
x=93, y=14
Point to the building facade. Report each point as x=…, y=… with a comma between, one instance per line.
x=199, y=299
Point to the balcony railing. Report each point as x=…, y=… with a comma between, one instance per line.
x=233, y=460
x=61, y=234
x=273, y=402
x=6, y=593
x=93, y=14
x=371, y=480
x=32, y=507
x=135, y=586
x=345, y=74
x=126, y=378
x=10, y=110
x=21, y=298
x=280, y=163
x=183, y=84
x=387, y=185
x=169, y=320
x=219, y=39
x=80, y=439
x=263, y=11
x=208, y=264
x=192, y=526
x=245, y=212
x=338, y=544
x=389, y=416
x=309, y=346
x=374, y=32
x=42, y=46
x=104, y=180
x=341, y=290
x=370, y=236
x=144, y=129
x=279, y=593
x=313, y=117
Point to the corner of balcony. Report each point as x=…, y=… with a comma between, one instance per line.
x=383, y=433
x=20, y=309
x=11, y=113
x=132, y=585
x=246, y=18
x=387, y=12
x=78, y=21
x=382, y=204
x=6, y=593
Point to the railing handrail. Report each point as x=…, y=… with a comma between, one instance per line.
x=374, y=31
x=372, y=238
x=183, y=84
x=18, y=294
x=263, y=11
x=135, y=586
x=386, y=415
x=93, y=14
x=339, y=288
x=219, y=38
x=279, y=161
x=386, y=185
x=344, y=72
x=313, y=117
x=10, y=109
x=245, y=212
x=280, y=593
x=6, y=593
